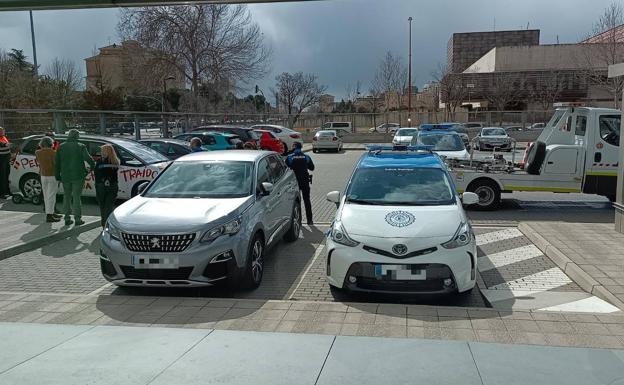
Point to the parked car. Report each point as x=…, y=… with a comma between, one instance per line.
x=211, y=141
x=285, y=134
x=537, y=126
x=473, y=125
x=326, y=140
x=407, y=235
x=344, y=127
x=404, y=136
x=139, y=163
x=461, y=129
x=243, y=133
x=121, y=128
x=446, y=143
x=270, y=142
x=385, y=128
x=208, y=218
x=491, y=138
x=514, y=128
x=171, y=148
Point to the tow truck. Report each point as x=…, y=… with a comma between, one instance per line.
x=577, y=152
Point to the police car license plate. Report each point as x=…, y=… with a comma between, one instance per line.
x=155, y=262
x=400, y=272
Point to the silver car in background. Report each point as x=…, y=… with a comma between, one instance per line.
x=491, y=138
x=207, y=218
x=328, y=140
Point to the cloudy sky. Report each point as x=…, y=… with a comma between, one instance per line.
x=341, y=41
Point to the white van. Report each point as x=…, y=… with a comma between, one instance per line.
x=339, y=127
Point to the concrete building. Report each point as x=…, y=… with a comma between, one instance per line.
x=463, y=49
x=132, y=68
x=327, y=103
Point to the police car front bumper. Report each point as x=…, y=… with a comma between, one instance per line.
x=376, y=269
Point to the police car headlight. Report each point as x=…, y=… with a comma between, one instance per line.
x=339, y=235
x=112, y=231
x=229, y=228
x=463, y=236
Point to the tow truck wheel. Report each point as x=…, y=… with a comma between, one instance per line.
x=489, y=194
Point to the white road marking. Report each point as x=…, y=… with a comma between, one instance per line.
x=317, y=253
x=99, y=290
x=501, y=235
x=589, y=305
x=544, y=280
x=508, y=257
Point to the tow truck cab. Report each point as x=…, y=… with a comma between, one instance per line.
x=579, y=153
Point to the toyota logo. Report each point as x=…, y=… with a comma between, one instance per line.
x=399, y=249
x=155, y=242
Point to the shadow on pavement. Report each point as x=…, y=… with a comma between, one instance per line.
x=513, y=210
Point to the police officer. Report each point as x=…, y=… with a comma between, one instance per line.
x=300, y=163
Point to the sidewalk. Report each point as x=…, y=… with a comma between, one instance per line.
x=21, y=232
x=75, y=354
x=591, y=254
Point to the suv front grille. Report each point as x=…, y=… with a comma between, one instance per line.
x=158, y=243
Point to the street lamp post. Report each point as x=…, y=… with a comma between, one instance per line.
x=34, y=45
x=163, y=108
x=266, y=111
x=409, y=81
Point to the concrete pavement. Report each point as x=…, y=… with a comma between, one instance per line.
x=82, y=354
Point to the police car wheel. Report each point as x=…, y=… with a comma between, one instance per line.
x=30, y=185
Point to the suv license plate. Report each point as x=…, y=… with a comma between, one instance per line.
x=155, y=262
x=399, y=272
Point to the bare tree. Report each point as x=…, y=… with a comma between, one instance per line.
x=64, y=80
x=352, y=92
x=503, y=91
x=390, y=76
x=451, y=90
x=205, y=42
x=297, y=92
x=604, y=48
x=547, y=89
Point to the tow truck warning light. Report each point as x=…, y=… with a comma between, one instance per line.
x=568, y=104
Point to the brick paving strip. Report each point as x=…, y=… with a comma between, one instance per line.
x=591, y=254
x=355, y=319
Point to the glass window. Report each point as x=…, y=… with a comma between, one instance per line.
x=402, y=186
x=263, y=172
x=493, y=132
x=94, y=149
x=610, y=128
x=556, y=118
x=276, y=169
x=127, y=159
x=155, y=146
x=341, y=125
x=326, y=125
x=141, y=151
x=185, y=137
x=181, y=150
x=581, y=125
x=276, y=130
x=208, y=139
x=209, y=179
x=442, y=142
x=407, y=132
x=30, y=147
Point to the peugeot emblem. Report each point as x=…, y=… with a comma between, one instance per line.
x=155, y=242
x=399, y=249
x=400, y=218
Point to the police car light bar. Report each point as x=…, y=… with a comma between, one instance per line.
x=377, y=148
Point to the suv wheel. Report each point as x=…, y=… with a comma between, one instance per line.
x=255, y=263
x=295, y=224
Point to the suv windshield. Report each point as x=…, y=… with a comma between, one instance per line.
x=407, y=132
x=493, y=132
x=207, y=179
x=442, y=142
x=401, y=186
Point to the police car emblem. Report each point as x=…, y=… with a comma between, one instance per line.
x=399, y=249
x=400, y=218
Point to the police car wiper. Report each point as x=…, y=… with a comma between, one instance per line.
x=363, y=201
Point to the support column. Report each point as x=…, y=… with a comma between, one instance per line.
x=619, y=203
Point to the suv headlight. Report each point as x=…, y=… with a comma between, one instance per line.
x=462, y=237
x=229, y=228
x=112, y=230
x=339, y=235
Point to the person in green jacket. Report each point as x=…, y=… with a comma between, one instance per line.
x=71, y=171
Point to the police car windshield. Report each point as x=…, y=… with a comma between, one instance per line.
x=493, y=132
x=407, y=132
x=442, y=142
x=400, y=187
x=208, y=179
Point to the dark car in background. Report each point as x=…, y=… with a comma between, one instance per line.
x=171, y=148
x=244, y=134
x=121, y=128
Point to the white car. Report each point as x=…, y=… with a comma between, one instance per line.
x=139, y=163
x=404, y=136
x=285, y=134
x=385, y=128
x=327, y=140
x=407, y=235
x=445, y=143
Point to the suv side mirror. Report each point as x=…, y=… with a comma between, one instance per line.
x=142, y=187
x=266, y=188
x=334, y=197
x=469, y=198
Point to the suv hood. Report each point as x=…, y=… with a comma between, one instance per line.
x=386, y=221
x=177, y=214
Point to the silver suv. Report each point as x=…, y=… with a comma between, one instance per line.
x=207, y=218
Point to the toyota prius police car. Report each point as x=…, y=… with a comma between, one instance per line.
x=400, y=226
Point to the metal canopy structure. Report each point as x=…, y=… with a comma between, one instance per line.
x=24, y=5
x=615, y=71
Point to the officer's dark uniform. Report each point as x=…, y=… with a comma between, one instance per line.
x=300, y=163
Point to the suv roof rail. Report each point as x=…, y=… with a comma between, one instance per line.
x=380, y=148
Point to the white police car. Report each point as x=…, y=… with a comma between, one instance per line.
x=400, y=227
